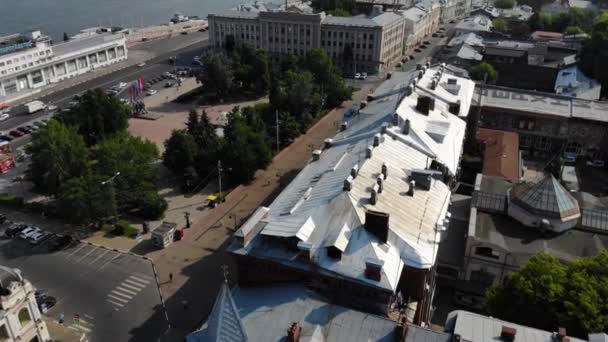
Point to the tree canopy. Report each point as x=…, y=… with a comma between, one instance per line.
x=483, y=71
x=500, y=25
x=505, y=4
x=217, y=74
x=547, y=293
x=97, y=116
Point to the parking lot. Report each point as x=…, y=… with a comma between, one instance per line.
x=102, y=293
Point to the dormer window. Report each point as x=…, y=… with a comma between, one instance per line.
x=373, y=269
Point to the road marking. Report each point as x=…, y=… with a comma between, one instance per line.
x=118, y=293
x=115, y=303
x=76, y=250
x=126, y=290
x=131, y=286
x=105, y=251
x=87, y=254
x=143, y=281
x=136, y=284
x=109, y=261
x=118, y=298
x=147, y=277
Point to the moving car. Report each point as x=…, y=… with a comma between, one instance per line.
x=141, y=65
x=52, y=108
x=4, y=116
x=24, y=130
x=15, y=133
x=363, y=75
x=45, y=303
x=357, y=76
x=169, y=84
x=121, y=85
x=15, y=229
x=39, y=238
x=5, y=137
x=151, y=92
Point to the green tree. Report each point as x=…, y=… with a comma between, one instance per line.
x=58, y=154
x=546, y=293
x=217, y=74
x=339, y=12
x=86, y=198
x=327, y=76
x=483, y=71
x=98, y=116
x=245, y=150
x=500, y=25
x=504, y=4
x=180, y=152
x=229, y=43
x=573, y=30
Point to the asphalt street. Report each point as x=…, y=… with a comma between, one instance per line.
x=163, y=48
x=111, y=293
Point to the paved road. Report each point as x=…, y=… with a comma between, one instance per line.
x=156, y=66
x=113, y=293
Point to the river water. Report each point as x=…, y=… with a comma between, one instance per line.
x=54, y=17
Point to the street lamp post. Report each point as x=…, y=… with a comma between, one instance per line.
x=111, y=181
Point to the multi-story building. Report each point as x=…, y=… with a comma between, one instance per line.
x=30, y=62
x=20, y=318
x=361, y=43
x=361, y=222
x=454, y=9
x=547, y=123
x=421, y=21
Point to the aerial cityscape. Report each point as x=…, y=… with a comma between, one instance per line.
x=304, y=170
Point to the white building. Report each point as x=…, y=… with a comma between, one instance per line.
x=454, y=9
x=364, y=218
x=30, y=62
x=20, y=318
x=478, y=24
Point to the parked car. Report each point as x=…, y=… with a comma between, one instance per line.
x=40, y=123
x=417, y=50
x=59, y=242
x=24, y=130
x=52, y=108
x=121, y=85
x=4, y=116
x=151, y=92
x=357, y=76
x=435, y=35
x=141, y=65
x=32, y=128
x=6, y=137
x=363, y=75
x=15, y=133
x=38, y=238
x=28, y=232
x=569, y=157
x=596, y=163
x=169, y=84
x=45, y=303
x=15, y=229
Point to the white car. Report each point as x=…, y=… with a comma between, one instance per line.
x=363, y=75
x=141, y=65
x=121, y=85
x=4, y=116
x=151, y=92
x=596, y=163
x=29, y=232
x=357, y=76
x=38, y=237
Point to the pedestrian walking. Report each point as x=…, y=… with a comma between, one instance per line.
x=170, y=277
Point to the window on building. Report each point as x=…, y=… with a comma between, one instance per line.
x=525, y=141
x=37, y=77
x=24, y=316
x=112, y=53
x=10, y=88
x=3, y=72
x=71, y=65
x=93, y=58
x=487, y=252
x=9, y=62
x=542, y=143
x=483, y=277
x=1, y=64
x=17, y=68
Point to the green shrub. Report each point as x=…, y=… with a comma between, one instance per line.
x=124, y=228
x=11, y=200
x=504, y=4
x=152, y=206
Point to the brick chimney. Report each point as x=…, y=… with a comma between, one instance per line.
x=507, y=334
x=562, y=335
x=293, y=333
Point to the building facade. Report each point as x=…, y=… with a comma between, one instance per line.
x=359, y=43
x=546, y=123
x=30, y=62
x=20, y=319
x=454, y=9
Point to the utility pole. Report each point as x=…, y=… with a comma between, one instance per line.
x=219, y=172
x=276, y=113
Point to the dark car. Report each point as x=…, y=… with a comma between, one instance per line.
x=59, y=242
x=426, y=42
x=15, y=133
x=417, y=50
x=184, y=32
x=45, y=303
x=15, y=229
x=2, y=218
x=169, y=84
x=435, y=35
x=24, y=130
x=6, y=137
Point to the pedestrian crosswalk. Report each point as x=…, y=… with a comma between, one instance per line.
x=124, y=292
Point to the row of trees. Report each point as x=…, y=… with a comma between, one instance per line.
x=76, y=157
x=547, y=293
x=575, y=20
x=299, y=90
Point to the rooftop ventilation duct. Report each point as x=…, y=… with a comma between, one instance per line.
x=373, y=199
x=507, y=334
x=383, y=128
x=384, y=170
x=406, y=127
x=412, y=188
x=380, y=182
x=373, y=268
x=425, y=104
x=454, y=108
x=377, y=223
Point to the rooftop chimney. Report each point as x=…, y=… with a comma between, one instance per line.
x=328, y=142
x=377, y=140
x=411, y=190
x=304, y=250
x=562, y=335
x=344, y=126
x=395, y=121
x=507, y=334
x=406, y=127
x=369, y=151
x=293, y=333
x=316, y=154
x=348, y=184
x=380, y=181
x=383, y=128
x=354, y=170
x=384, y=170
x=454, y=107
x=376, y=10
x=373, y=199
